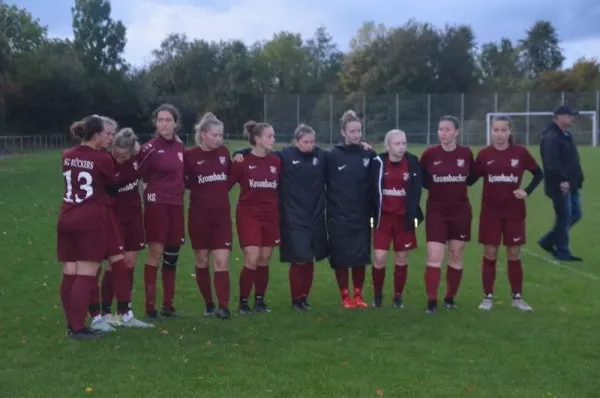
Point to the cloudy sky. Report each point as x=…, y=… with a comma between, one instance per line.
x=149, y=21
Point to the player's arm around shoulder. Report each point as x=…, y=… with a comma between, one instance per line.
x=472, y=177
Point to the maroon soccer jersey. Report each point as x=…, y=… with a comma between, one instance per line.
x=207, y=177
x=87, y=173
x=161, y=167
x=258, y=178
x=447, y=174
x=503, y=173
x=128, y=177
x=395, y=181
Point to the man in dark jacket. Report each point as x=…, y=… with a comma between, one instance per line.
x=562, y=183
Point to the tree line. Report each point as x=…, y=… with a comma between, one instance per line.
x=45, y=82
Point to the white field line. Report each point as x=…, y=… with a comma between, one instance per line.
x=558, y=264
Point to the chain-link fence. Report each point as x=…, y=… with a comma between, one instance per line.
x=416, y=114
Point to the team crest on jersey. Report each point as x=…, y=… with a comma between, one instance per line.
x=222, y=160
x=514, y=162
x=406, y=176
x=180, y=155
x=315, y=161
x=273, y=169
x=366, y=162
x=460, y=162
x=135, y=165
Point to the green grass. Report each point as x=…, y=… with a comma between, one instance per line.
x=329, y=352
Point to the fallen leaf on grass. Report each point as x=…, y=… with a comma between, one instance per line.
x=470, y=388
x=209, y=344
x=339, y=339
x=181, y=337
x=185, y=360
x=222, y=369
x=88, y=390
x=345, y=363
x=379, y=392
x=132, y=368
x=23, y=341
x=165, y=332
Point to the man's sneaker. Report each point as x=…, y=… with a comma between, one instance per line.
x=487, y=303
x=169, y=312
x=548, y=249
x=358, y=300
x=130, y=321
x=397, y=302
x=210, y=310
x=377, y=302
x=305, y=304
x=244, y=307
x=223, y=313
x=297, y=306
x=260, y=305
x=518, y=302
x=84, y=334
x=431, y=307
x=112, y=320
x=570, y=258
x=100, y=325
x=449, y=303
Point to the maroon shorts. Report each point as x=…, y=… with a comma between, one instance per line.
x=164, y=224
x=494, y=229
x=257, y=231
x=89, y=245
x=392, y=229
x=443, y=228
x=210, y=230
x=131, y=229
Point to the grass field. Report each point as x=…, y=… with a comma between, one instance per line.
x=329, y=352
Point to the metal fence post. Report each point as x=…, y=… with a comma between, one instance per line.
x=331, y=119
x=428, y=119
x=462, y=118
x=527, y=121
x=265, y=107
x=397, y=111
x=297, y=109
x=364, y=111
x=495, y=102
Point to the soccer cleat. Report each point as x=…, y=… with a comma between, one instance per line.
x=153, y=315
x=112, y=320
x=377, y=302
x=223, y=313
x=84, y=334
x=449, y=303
x=431, y=307
x=305, y=304
x=100, y=325
x=169, y=312
x=244, y=307
x=358, y=300
x=397, y=302
x=297, y=306
x=130, y=321
x=487, y=302
x=261, y=306
x=210, y=310
x=518, y=302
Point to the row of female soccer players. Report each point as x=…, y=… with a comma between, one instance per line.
x=355, y=177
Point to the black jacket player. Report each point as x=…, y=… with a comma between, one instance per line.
x=349, y=210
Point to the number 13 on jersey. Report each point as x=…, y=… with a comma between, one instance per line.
x=82, y=183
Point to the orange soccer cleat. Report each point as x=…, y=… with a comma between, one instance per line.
x=347, y=301
x=358, y=300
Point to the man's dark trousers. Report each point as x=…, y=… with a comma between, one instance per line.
x=567, y=209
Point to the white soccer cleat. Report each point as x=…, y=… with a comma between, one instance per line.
x=487, y=303
x=130, y=321
x=518, y=302
x=112, y=320
x=100, y=325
